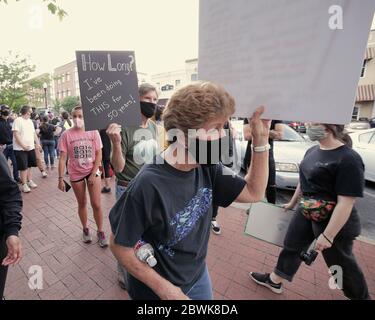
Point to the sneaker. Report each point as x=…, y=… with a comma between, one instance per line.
x=25, y=188
x=32, y=184
x=44, y=174
x=86, y=236
x=215, y=227
x=264, y=280
x=106, y=190
x=102, y=240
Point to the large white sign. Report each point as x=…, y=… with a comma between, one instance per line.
x=301, y=59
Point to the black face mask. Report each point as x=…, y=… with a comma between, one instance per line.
x=5, y=113
x=148, y=109
x=208, y=152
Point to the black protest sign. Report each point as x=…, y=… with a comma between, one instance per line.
x=109, y=88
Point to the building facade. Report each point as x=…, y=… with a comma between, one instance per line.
x=168, y=82
x=40, y=91
x=65, y=80
x=365, y=98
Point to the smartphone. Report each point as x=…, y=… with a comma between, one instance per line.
x=67, y=186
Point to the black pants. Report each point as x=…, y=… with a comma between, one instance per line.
x=9, y=154
x=3, y=270
x=271, y=184
x=302, y=232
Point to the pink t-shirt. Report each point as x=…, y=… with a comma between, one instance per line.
x=80, y=148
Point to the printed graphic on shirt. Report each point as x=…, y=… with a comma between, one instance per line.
x=82, y=151
x=185, y=220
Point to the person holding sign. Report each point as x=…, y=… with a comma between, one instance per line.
x=331, y=178
x=169, y=203
x=124, y=146
x=83, y=150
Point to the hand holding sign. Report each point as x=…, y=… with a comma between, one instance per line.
x=113, y=133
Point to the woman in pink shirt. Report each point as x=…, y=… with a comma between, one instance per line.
x=83, y=149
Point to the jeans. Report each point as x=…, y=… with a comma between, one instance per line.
x=302, y=232
x=202, y=288
x=56, y=139
x=9, y=154
x=49, y=151
x=119, y=191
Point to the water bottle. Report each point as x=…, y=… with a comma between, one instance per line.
x=145, y=253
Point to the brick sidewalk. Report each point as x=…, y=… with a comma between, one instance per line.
x=51, y=236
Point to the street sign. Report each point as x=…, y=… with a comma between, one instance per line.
x=109, y=88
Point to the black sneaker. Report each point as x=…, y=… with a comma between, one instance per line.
x=106, y=190
x=264, y=280
x=216, y=229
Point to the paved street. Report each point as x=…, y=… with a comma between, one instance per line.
x=72, y=270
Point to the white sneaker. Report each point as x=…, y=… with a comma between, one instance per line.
x=32, y=184
x=44, y=174
x=25, y=188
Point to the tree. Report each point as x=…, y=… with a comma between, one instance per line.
x=35, y=90
x=14, y=71
x=68, y=103
x=56, y=105
x=52, y=6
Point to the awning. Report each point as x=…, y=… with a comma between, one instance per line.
x=366, y=93
x=370, y=53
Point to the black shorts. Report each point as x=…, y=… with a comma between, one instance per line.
x=25, y=159
x=82, y=179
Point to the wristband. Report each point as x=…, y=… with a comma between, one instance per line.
x=261, y=148
x=61, y=178
x=327, y=238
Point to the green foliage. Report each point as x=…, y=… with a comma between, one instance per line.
x=14, y=71
x=68, y=103
x=52, y=7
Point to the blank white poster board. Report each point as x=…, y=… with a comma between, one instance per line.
x=268, y=222
x=301, y=59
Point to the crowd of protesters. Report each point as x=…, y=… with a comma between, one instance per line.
x=172, y=173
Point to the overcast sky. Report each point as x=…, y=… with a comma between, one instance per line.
x=163, y=33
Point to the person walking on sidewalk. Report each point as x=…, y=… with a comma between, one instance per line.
x=10, y=222
x=25, y=141
x=169, y=203
x=126, y=149
x=83, y=151
x=331, y=178
x=46, y=131
x=6, y=139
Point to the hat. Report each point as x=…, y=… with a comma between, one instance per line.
x=4, y=107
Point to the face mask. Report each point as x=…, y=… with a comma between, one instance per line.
x=208, y=152
x=148, y=109
x=5, y=113
x=316, y=133
x=78, y=123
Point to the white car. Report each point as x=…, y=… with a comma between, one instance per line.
x=364, y=144
x=288, y=154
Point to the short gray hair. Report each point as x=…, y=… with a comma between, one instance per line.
x=145, y=88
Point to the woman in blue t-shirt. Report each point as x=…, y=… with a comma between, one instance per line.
x=331, y=178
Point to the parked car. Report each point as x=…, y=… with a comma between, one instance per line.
x=288, y=154
x=297, y=126
x=360, y=124
x=372, y=122
x=364, y=144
